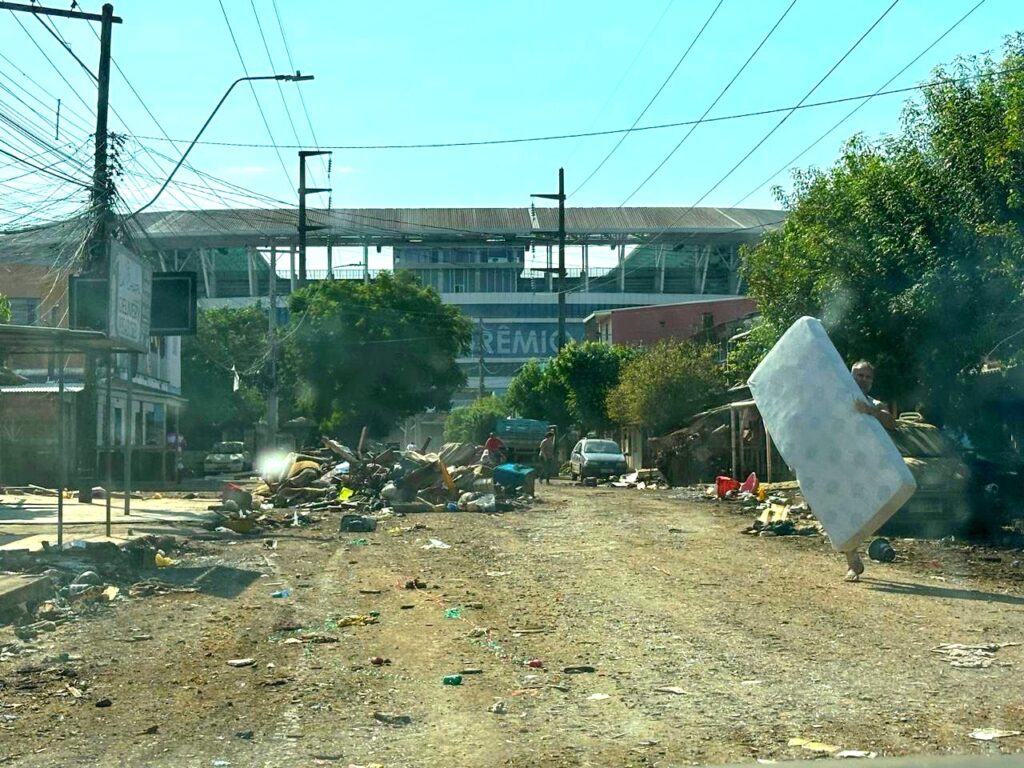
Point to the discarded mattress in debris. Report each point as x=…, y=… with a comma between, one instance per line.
x=846, y=464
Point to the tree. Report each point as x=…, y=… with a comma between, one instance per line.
x=588, y=370
x=667, y=383
x=225, y=339
x=909, y=248
x=5, y=309
x=472, y=423
x=535, y=393
x=373, y=354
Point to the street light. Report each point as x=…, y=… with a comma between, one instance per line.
x=298, y=77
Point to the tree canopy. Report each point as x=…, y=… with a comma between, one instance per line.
x=570, y=388
x=909, y=248
x=374, y=353
x=225, y=339
x=667, y=383
x=472, y=423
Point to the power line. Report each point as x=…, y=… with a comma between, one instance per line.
x=657, y=93
x=47, y=171
x=856, y=109
x=252, y=88
x=789, y=114
x=60, y=39
x=610, y=132
x=54, y=66
x=625, y=74
x=293, y=68
x=718, y=98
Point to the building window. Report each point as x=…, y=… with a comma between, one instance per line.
x=24, y=311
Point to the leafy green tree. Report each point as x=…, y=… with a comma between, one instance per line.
x=373, y=354
x=667, y=383
x=909, y=248
x=5, y=309
x=535, y=393
x=472, y=423
x=588, y=371
x=225, y=339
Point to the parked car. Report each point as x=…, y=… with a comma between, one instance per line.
x=229, y=456
x=942, y=504
x=594, y=457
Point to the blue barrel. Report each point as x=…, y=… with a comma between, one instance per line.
x=512, y=476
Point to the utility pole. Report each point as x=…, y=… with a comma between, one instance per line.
x=481, y=359
x=99, y=241
x=303, y=191
x=560, y=197
x=272, y=339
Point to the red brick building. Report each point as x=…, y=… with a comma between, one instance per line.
x=647, y=325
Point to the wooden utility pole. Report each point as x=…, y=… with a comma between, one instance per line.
x=560, y=197
x=303, y=191
x=99, y=240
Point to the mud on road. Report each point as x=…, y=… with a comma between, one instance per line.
x=707, y=646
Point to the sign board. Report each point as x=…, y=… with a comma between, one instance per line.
x=130, y=290
x=173, y=308
x=524, y=340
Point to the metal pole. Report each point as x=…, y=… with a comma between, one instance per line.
x=366, y=264
x=109, y=435
x=61, y=458
x=481, y=360
x=302, y=220
x=272, y=341
x=561, y=258
x=129, y=436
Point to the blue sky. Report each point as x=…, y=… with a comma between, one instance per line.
x=411, y=72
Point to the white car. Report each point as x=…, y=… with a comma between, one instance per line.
x=593, y=457
x=228, y=456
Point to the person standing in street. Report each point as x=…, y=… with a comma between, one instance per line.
x=864, y=374
x=495, y=449
x=546, y=452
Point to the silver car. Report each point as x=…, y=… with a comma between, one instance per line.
x=593, y=457
x=229, y=456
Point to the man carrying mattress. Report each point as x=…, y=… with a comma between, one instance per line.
x=864, y=374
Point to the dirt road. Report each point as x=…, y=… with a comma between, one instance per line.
x=755, y=641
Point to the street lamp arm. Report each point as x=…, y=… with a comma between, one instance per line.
x=297, y=77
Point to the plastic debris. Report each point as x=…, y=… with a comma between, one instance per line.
x=435, y=544
x=281, y=593
x=451, y=680
x=813, y=746
x=453, y=613
x=241, y=662
x=598, y=697
x=990, y=734
x=391, y=719
x=161, y=560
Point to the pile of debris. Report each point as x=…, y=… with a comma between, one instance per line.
x=334, y=478
x=780, y=508
x=643, y=479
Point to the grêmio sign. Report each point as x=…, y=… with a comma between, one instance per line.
x=525, y=339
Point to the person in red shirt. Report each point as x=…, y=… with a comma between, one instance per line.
x=494, y=448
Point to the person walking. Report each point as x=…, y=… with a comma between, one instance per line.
x=546, y=452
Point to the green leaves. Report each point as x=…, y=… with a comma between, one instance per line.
x=909, y=248
x=664, y=385
x=373, y=354
x=475, y=421
x=5, y=309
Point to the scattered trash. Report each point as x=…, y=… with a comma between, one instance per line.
x=281, y=593
x=813, y=746
x=391, y=719
x=103, y=703
x=880, y=550
x=87, y=578
x=161, y=560
x=472, y=671
x=357, y=620
x=220, y=763
x=578, y=670
x=451, y=680
x=990, y=734
x=498, y=708
x=535, y=664
x=358, y=524
x=240, y=662
x=435, y=544
x=380, y=661
x=979, y=656
x=670, y=689
x=415, y=584
x=598, y=697
x=453, y=613
x=856, y=753
x=245, y=735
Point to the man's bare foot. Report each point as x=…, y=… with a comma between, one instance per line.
x=856, y=566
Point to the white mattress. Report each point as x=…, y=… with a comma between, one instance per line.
x=847, y=466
